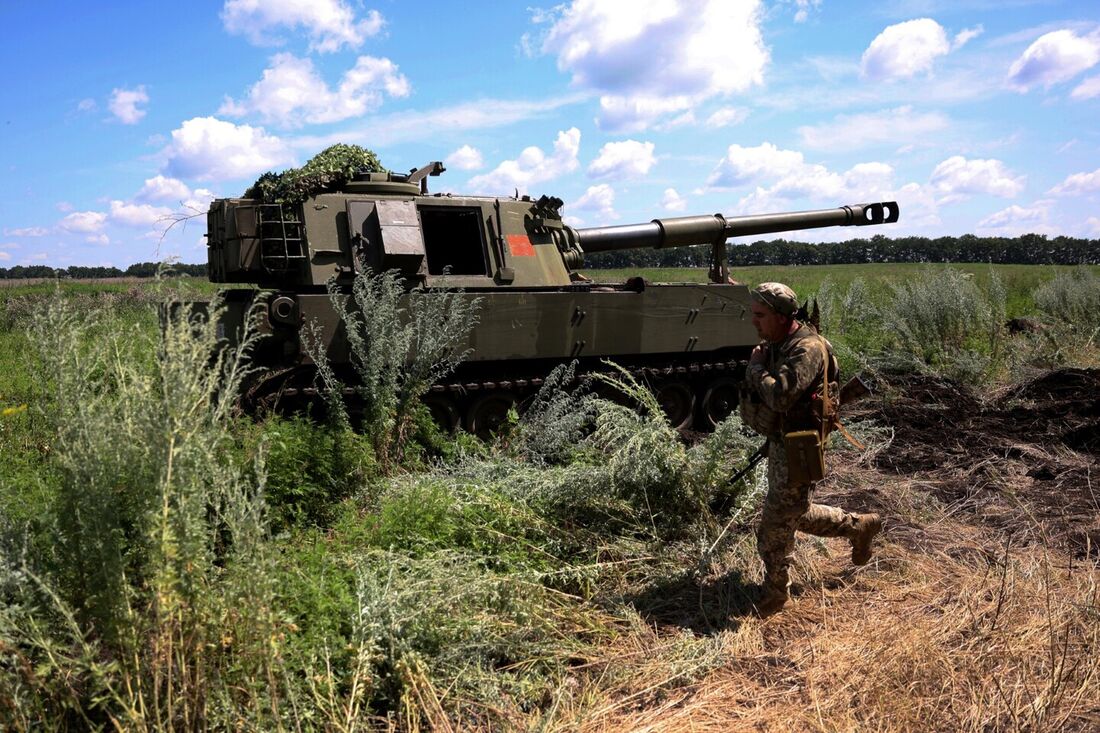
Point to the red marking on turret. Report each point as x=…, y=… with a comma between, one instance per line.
x=520, y=245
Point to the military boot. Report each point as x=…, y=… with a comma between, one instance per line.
x=771, y=600
x=867, y=526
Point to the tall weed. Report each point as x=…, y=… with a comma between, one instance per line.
x=160, y=534
x=558, y=419
x=1070, y=307
x=401, y=343
x=939, y=321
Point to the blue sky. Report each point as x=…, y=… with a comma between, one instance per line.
x=978, y=116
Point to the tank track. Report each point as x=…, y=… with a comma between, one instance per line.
x=696, y=394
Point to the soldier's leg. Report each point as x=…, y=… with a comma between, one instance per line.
x=828, y=521
x=783, y=508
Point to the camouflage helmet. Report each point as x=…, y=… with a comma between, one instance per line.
x=776, y=296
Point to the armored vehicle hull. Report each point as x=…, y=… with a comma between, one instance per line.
x=688, y=341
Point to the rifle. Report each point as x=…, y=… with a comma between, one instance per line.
x=754, y=460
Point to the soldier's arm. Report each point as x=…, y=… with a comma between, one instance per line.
x=781, y=388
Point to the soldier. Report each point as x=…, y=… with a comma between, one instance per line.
x=785, y=391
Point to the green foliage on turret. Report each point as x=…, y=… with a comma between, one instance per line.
x=331, y=167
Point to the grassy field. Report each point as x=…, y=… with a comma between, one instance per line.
x=166, y=563
x=1019, y=280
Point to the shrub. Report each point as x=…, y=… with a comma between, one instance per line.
x=161, y=563
x=846, y=312
x=401, y=343
x=331, y=167
x=557, y=420
x=309, y=468
x=942, y=322
x=1070, y=305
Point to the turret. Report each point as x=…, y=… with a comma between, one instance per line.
x=390, y=222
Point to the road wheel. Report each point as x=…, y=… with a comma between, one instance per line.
x=443, y=410
x=678, y=402
x=719, y=402
x=488, y=413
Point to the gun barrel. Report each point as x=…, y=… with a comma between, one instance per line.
x=689, y=230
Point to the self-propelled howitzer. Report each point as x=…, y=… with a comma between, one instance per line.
x=688, y=341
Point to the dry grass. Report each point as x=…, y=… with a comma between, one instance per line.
x=975, y=615
x=951, y=627
x=945, y=630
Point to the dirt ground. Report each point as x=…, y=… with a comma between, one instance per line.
x=1021, y=461
x=979, y=612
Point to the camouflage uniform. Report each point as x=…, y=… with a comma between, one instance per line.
x=774, y=393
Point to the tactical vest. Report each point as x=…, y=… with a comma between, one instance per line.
x=810, y=412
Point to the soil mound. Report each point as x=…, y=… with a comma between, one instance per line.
x=1022, y=461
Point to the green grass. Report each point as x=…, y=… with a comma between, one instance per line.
x=1019, y=280
x=294, y=582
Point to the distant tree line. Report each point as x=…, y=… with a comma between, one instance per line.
x=1029, y=249
x=141, y=269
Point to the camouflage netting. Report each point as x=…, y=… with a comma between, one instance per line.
x=331, y=167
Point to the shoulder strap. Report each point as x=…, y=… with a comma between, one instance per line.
x=827, y=416
x=830, y=419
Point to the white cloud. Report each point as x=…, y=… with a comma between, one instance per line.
x=138, y=215
x=64, y=207
x=1092, y=226
x=957, y=178
x=83, y=221
x=874, y=128
x=162, y=188
x=966, y=35
x=600, y=199
x=1053, y=58
x=330, y=24
x=726, y=116
x=199, y=200
x=784, y=175
x=673, y=201
x=803, y=8
x=919, y=206
x=86, y=105
x=1016, y=220
x=26, y=232
x=866, y=176
x=416, y=126
x=124, y=104
x=1078, y=183
x=4, y=256
x=905, y=50
x=1087, y=89
x=465, y=158
x=634, y=114
x=291, y=92
x=623, y=160
x=680, y=120
x=745, y=165
x=814, y=182
x=652, y=58
x=532, y=166
x=206, y=148
x=100, y=239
